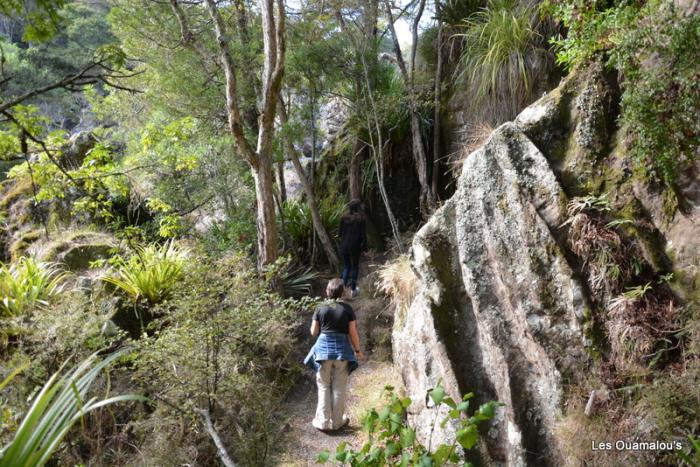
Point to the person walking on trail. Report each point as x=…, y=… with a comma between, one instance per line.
x=334, y=356
x=353, y=240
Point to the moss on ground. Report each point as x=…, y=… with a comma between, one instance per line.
x=19, y=246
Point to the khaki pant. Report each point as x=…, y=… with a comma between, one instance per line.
x=332, y=381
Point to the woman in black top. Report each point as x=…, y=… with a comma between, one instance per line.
x=333, y=356
x=353, y=240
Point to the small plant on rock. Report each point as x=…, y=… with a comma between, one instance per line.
x=393, y=442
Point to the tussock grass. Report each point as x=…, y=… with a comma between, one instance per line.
x=398, y=282
x=503, y=56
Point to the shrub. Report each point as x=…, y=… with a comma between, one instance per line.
x=227, y=345
x=661, y=90
x=151, y=272
x=393, y=442
x=58, y=406
x=26, y=284
x=298, y=221
x=655, y=49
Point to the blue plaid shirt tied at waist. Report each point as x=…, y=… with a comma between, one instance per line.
x=331, y=346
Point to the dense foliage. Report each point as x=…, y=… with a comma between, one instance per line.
x=654, y=47
x=152, y=196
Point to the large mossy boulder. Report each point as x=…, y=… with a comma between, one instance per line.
x=500, y=312
x=76, y=250
x=505, y=308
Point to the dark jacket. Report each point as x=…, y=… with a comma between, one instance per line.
x=352, y=232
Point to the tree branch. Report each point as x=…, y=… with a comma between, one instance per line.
x=209, y=426
x=234, y=113
x=45, y=148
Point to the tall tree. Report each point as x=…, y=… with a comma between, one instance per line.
x=420, y=158
x=259, y=156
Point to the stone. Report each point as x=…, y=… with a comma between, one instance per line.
x=499, y=311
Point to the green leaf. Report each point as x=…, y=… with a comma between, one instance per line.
x=426, y=461
x=408, y=437
x=437, y=394
x=449, y=402
x=442, y=454
x=488, y=410
x=391, y=449
x=384, y=414
x=467, y=437
x=323, y=457
x=463, y=406
x=396, y=420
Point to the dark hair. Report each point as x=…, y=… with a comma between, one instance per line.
x=354, y=213
x=335, y=288
x=355, y=205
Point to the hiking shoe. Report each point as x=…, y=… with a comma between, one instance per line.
x=354, y=292
x=346, y=422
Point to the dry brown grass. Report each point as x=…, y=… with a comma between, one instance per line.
x=613, y=419
x=476, y=135
x=639, y=318
x=398, y=282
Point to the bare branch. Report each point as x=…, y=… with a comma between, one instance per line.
x=209, y=426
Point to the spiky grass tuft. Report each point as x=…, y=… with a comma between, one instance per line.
x=60, y=404
x=151, y=273
x=26, y=284
x=504, y=54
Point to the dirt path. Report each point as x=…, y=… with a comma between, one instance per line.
x=301, y=442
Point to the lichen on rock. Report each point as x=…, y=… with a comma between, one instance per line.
x=500, y=311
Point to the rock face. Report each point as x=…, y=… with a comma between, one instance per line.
x=505, y=308
x=500, y=312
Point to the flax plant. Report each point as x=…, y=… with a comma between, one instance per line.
x=151, y=273
x=60, y=404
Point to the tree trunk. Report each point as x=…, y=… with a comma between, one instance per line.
x=266, y=221
x=319, y=228
x=379, y=158
x=437, y=103
x=420, y=159
x=354, y=174
x=280, y=182
x=260, y=158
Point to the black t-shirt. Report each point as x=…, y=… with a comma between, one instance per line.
x=352, y=232
x=334, y=317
